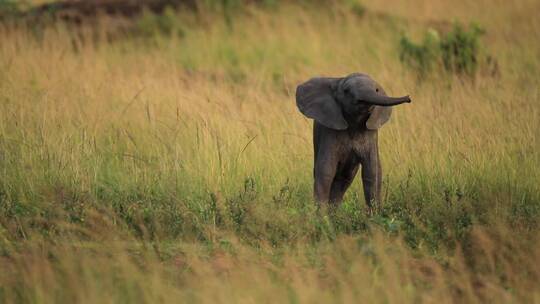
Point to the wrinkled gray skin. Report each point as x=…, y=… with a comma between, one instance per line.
x=347, y=112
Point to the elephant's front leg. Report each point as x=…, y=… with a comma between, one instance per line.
x=371, y=178
x=324, y=173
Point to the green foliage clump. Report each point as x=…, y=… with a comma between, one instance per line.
x=10, y=7
x=356, y=7
x=167, y=23
x=460, y=49
x=456, y=52
x=422, y=56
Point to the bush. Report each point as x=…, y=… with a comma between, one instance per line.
x=10, y=7
x=460, y=49
x=167, y=24
x=421, y=57
x=356, y=7
x=456, y=52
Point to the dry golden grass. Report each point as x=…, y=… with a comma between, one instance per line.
x=177, y=168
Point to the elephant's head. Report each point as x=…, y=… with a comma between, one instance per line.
x=338, y=102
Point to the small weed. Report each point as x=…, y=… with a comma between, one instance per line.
x=284, y=196
x=131, y=174
x=238, y=205
x=351, y=217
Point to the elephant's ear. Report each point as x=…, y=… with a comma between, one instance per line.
x=315, y=99
x=378, y=117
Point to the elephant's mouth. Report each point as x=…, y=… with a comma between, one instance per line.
x=365, y=108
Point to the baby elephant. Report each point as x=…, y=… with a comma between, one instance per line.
x=348, y=112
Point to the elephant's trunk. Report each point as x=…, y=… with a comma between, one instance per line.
x=386, y=101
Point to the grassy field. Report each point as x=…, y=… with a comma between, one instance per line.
x=173, y=165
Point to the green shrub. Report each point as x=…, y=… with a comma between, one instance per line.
x=422, y=56
x=456, y=52
x=167, y=23
x=356, y=7
x=460, y=49
x=11, y=7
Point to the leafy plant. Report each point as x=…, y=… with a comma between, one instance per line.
x=11, y=7
x=460, y=49
x=167, y=23
x=356, y=7
x=456, y=52
x=421, y=57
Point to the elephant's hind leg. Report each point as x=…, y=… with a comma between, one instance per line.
x=344, y=178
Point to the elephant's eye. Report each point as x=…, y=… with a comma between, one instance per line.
x=377, y=90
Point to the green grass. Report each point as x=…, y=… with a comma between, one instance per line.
x=174, y=166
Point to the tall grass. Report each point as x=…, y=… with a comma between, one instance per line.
x=176, y=167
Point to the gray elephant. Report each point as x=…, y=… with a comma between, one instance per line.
x=348, y=112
